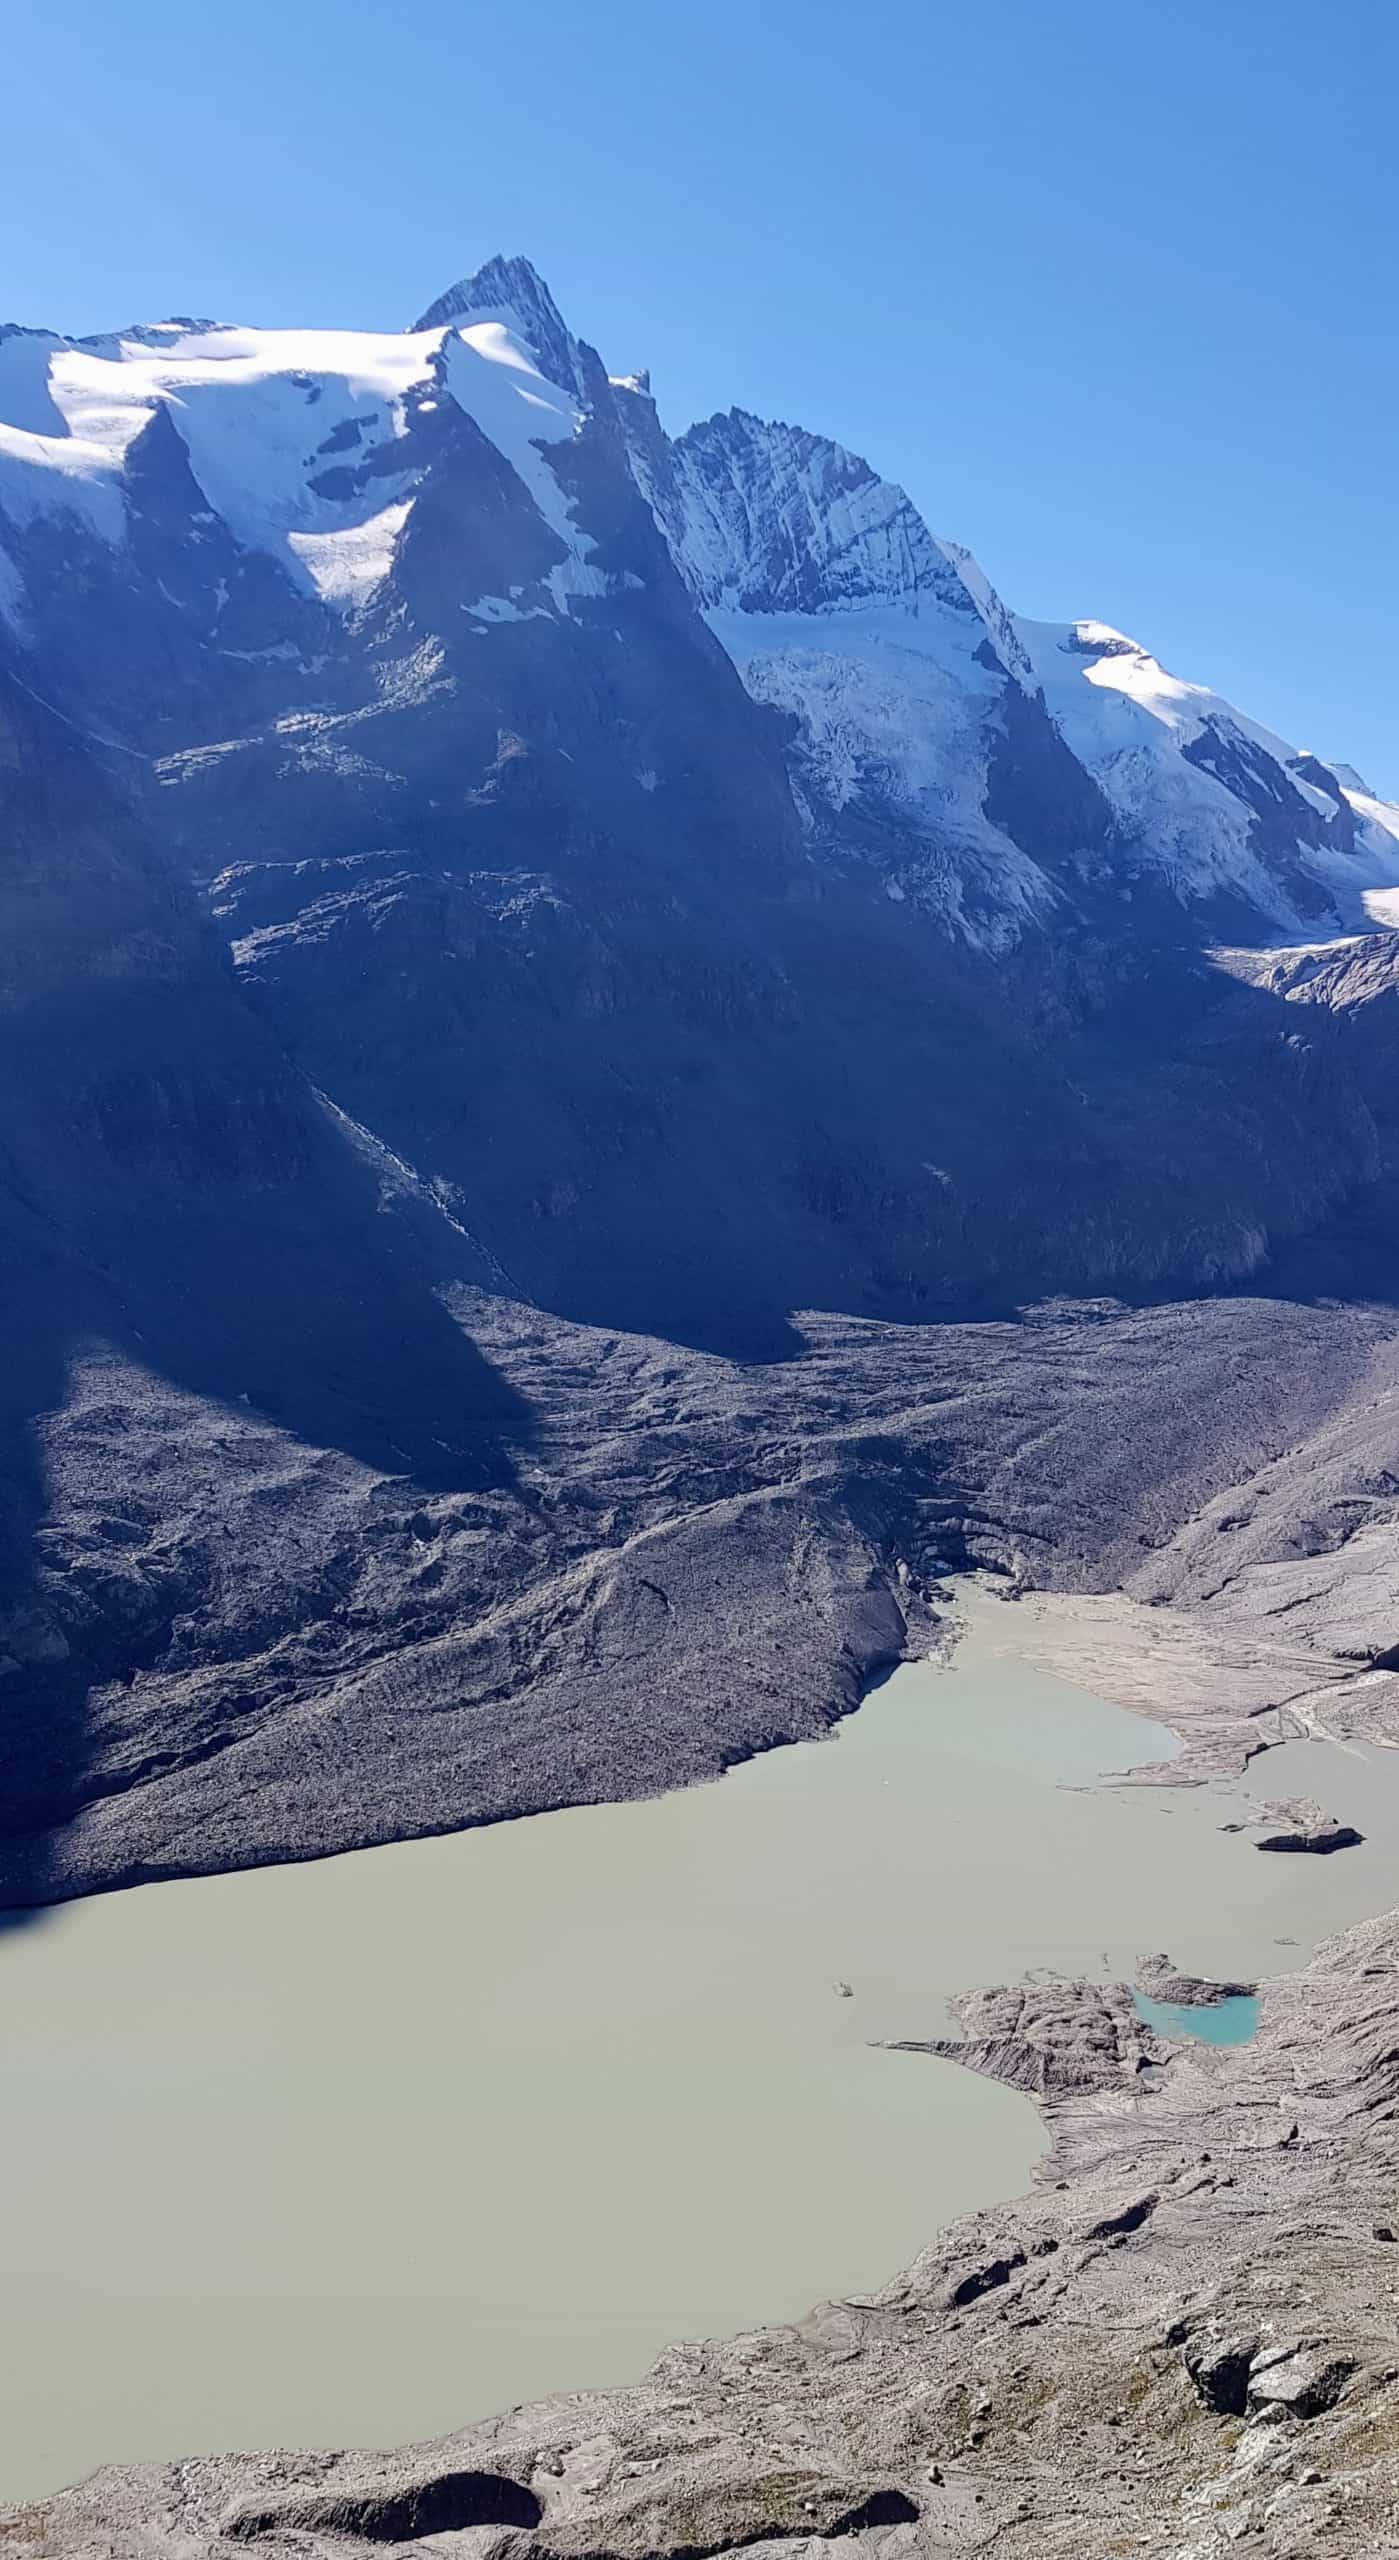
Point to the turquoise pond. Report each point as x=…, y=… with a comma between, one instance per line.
x=1224, y=2022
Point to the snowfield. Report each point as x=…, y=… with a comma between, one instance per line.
x=907, y=682
x=275, y=422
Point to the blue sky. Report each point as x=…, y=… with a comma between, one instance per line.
x=1111, y=290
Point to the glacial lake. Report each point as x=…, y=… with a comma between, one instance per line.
x=357, y=2151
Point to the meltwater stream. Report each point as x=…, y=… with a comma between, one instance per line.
x=357, y=2151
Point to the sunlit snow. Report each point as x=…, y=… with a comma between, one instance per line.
x=346, y=566
x=1128, y=720
x=265, y=414
x=889, y=649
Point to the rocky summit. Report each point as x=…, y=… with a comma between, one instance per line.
x=611, y=1068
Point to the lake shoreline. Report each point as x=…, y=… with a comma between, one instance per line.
x=1132, y=2348
x=1009, y=1730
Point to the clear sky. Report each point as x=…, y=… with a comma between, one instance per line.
x=1110, y=289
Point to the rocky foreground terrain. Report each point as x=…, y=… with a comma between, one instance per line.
x=684, y=1561
x=1187, y=2339
x=1184, y=2343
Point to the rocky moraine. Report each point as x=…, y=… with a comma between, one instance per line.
x=610, y=1073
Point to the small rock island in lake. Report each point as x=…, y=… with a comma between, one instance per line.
x=1304, y=1826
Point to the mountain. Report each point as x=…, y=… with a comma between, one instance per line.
x=575, y=800
x=502, y=909
x=260, y=512
x=928, y=715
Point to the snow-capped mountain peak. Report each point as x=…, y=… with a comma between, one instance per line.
x=308, y=445
x=513, y=294
x=1215, y=802
x=766, y=518
x=889, y=651
x=992, y=769
x=929, y=716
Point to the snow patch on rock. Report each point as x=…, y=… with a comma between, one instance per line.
x=346, y=565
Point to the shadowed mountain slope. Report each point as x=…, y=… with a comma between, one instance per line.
x=499, y=910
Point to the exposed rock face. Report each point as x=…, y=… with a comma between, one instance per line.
x=1187, y=2337
x=1305, y=1827
x=286, y=1464
x=1158, y=1978
x=670, y=849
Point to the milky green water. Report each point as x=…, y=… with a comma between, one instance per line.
x=353, y=2152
